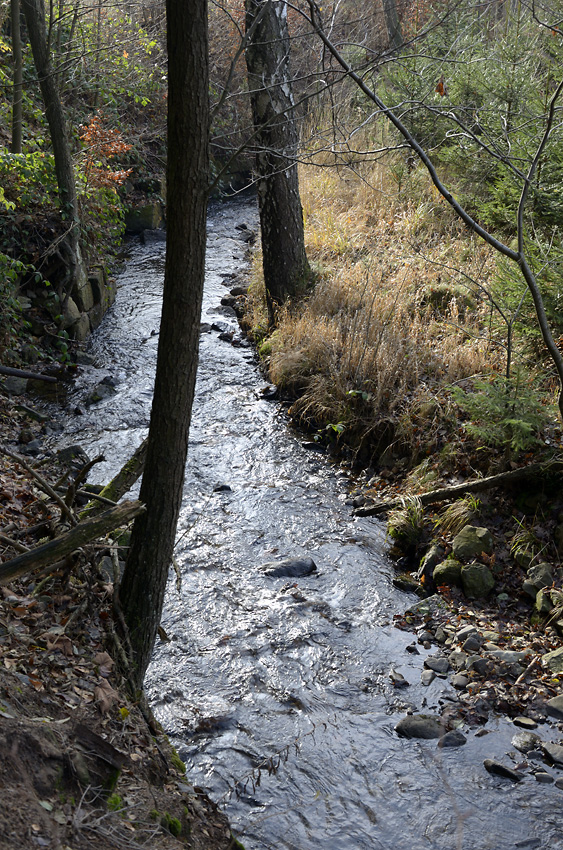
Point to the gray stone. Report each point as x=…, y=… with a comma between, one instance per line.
x=559, y=784
x=555, y=707
x=147, y=217
x=447, y=572
x=524, y=558
x=100, y=392
x=554, y=753
x=454, y=738
x=84, y=296
x=430, y=605
x=477, y=581
x=473, y=643
x=83, y=358
x=290, y=568
x=525, y=723
x=419, y=726
x=458, y=659
x=540, y=575
x=478, y=664
x=508, y=656
x=398, y=679
x=489, y=635
x=554, y=660
x=429, y=562
x=543, y=603
x=499, y=769
x=471, y=542
x=437, y=663
x=525, y=741
x=71, y=314
x=14, y=385
x=427, y=677
x=81, y=329
x=463, y=633
x=460, y=682
x=543, y=776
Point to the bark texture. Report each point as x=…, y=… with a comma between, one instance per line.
x=286, y=270
x=144, y=581
x=16, y=146
x=34, y=11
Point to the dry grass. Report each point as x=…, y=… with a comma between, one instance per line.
x=397, y=312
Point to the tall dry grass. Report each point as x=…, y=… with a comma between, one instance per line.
x=397, y=313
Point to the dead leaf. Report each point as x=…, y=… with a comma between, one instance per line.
x=105, y=695
x=104, y=662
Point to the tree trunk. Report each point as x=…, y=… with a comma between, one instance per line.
x=34, y=12
x=286, y=270
x=152, y=543
x=392, y=24
x=16, y=146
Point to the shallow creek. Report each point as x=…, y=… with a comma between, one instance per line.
x=276, y=691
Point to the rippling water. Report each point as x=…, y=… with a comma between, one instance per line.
x=274, y=691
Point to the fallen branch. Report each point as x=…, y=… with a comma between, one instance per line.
x=44, y=485
x=515, y=476
x=120, y=483
x=83, y=533
x=23, y=373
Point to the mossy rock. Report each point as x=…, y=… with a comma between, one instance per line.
x=477, y=580
x=448, y=573
x=471, y=542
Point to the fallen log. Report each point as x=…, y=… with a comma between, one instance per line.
x=120, y=483
x=24, y=373
x=42, y=557
x=479, y=485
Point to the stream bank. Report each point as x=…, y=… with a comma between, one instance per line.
x=280, y=692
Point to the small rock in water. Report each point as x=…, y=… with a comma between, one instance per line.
x=398, y=679
x=437, y=663
x=525, y=723
x=455, y=738
x=420, y=726
x=554, y=753
x=222, y=488
x=543, y=776
x=559, y=784
x=290, y=568
x=460, y=682
x=427, y=677
x=525, y=741
x=555, y=707
x=499, y=769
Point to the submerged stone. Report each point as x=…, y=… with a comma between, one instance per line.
x=290, y=568
x=420, y=726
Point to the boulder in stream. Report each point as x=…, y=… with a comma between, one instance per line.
x=420, y=726
x=290, y=568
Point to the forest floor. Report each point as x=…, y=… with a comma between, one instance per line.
x=82, y=764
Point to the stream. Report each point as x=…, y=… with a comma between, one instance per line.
x=276, y=691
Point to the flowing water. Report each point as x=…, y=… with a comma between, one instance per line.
x=276, y=691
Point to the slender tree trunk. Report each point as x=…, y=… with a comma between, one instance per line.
x=34, y=12
x=286, y=270
x=16, y=146
x=392, y=24
x=144, y=582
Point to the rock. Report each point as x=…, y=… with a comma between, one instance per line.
x=71, y=314
x=427, y=677
x=447, y=572
x=554, y=660
x=477, y=581
x=471, y=542
x=473, y=643
x=14, y=385
x=458, y=659
x=478, y=664
x=83, y=358
x=290, y=568
x=543, y=776
x=429, y=562
x=455, y=738
x=146, y=217
x=525, y=741
x=554, y=707
x=538, y=576
x=438, y=664
x=559, y=784
x=398, y=679
x=499, y=769
x=490, y=636
x=554, y=753
x=406, y=583
x=428, y=606
x=73, y=456
x=508, y=656
x=239, y=289
x=81, y=329
x=222, y=488
x=460, y=682
x=543, y=603
x=525, y=722
x=419, y=726
x=463, y=634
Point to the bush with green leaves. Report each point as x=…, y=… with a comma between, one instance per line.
x=504, y=414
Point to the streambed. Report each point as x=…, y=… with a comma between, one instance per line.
x=276, y=691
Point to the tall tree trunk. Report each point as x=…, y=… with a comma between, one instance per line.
x=392, y=24
x=34, y=12
x=142, y=590
x=286, y=270
x=16, y=146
